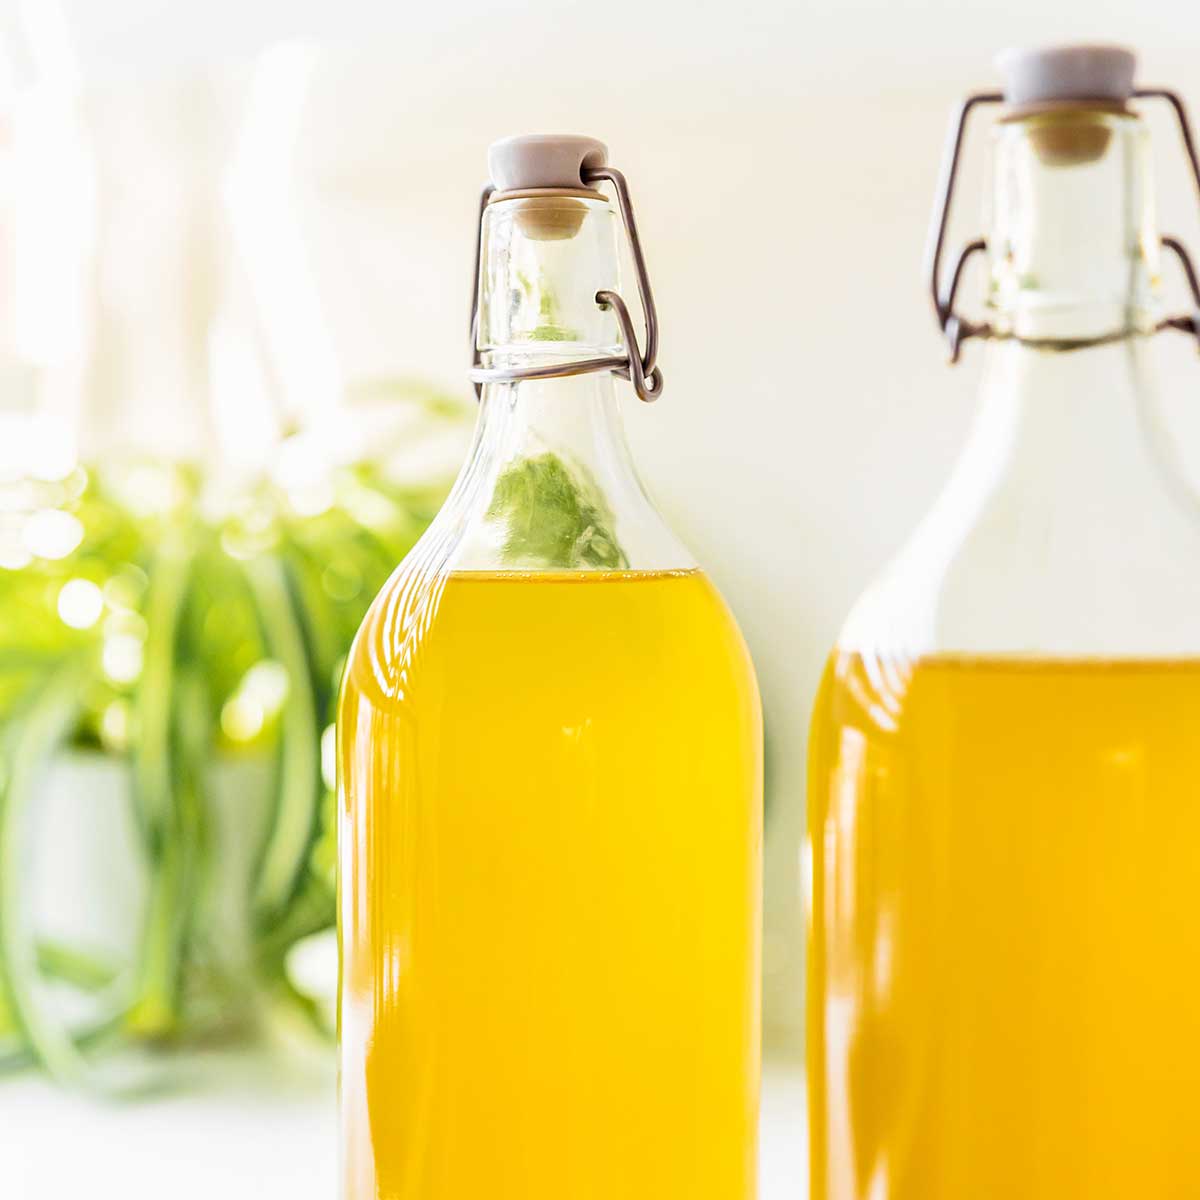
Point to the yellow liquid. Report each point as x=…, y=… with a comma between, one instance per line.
x=1004, y=978
x=551, y=837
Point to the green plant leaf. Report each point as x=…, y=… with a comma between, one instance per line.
x=297, y=802
x=555, y=515
x=32, y=740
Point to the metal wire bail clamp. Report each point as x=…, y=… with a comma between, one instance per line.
x=944, y=287
x=636, y=365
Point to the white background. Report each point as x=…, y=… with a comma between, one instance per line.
x=782, y=158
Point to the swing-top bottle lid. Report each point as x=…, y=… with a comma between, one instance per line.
x=544, y=160
x=1058, y=74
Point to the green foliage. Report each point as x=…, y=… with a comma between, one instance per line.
x=165, y=630
x=555, y=516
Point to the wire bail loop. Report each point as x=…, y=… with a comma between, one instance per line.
x=637, y=365
x=943, y=287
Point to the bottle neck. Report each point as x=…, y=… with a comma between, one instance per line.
x=1073, y=245
x=1069, y=390
x=544, y=258
x=550, y=484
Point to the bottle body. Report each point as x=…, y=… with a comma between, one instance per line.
x=1003, y=845
x=1003, y=946
x=550, y=774
x=549, y=904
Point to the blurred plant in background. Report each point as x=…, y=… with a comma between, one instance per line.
x=209, y=464
x=145, y=618
x=150, y=620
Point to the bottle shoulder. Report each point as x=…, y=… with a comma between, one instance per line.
x=1032, y=560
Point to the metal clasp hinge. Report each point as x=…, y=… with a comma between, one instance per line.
x=637, y=365
x=944, y=288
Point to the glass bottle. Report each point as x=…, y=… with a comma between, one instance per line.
x=550, y=779
x=1003, y=843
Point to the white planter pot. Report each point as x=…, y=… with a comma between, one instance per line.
x=88, y=870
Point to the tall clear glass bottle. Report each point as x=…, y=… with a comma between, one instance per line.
x=1004, y=802
x=550, y=781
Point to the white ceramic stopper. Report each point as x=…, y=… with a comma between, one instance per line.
x=543, y=160
x=1057, y=73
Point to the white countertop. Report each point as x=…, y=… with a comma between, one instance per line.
x=249, y=1127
